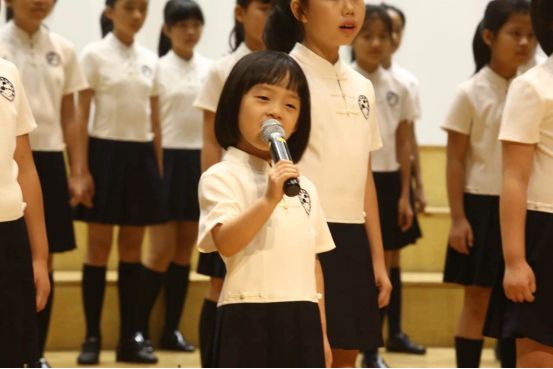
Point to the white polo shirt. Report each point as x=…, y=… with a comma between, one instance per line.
x=412, y=83
x=476, y=112
x=16, y=119
x=123, y=80
x=210, y=93
x=344, y=131
x=179, y=83
x=50, y=71
x=528, y=118
x=395, y=104
x=279, y=263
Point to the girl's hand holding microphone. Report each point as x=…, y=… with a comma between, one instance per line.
x=282, y=171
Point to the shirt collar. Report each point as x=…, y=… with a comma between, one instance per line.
x=235, y=155
x=177, y=60
x=118, y=45
x=24, y=37
x=305, y=56
x=242, y=50
x=496, y=78
x=549, y=63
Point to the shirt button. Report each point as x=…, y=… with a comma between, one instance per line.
x=242, y=297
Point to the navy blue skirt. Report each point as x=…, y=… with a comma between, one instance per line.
x=507, y=319
x=128, y=186
x=181, y=175
x=388, y=191
x=351, y=296
x=212, y=265
x=50, y=167
x=269, y=335
x=18, y=318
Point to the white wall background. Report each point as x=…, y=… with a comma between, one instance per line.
x=436, y=45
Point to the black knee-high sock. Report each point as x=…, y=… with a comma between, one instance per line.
x=394, y=308
x=508, y=353
x=468, y=352
x=150, y=285
x=207, y=333
x=93, y=289
x=128, y=284
x=43, y=318
x=176, y=287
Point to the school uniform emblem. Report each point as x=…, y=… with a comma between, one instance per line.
x=305, y=200
x=53, y=58
x=146, y=71
x=7, y=89
x=392, y=98
x=364, y=105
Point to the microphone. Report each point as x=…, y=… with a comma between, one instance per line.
x=273, y=133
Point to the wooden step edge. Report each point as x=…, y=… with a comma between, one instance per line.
x=426, y=280
x=73, y=277
x=436, y=211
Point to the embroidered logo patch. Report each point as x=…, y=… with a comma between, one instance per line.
x=6, y=89
x=364, y=105
x=146, y=71
x=53, y=58
x=392, y=98
x=305, y=200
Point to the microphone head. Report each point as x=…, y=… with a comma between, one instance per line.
x=271, y=127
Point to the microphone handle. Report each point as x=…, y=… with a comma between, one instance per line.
x=279, y=151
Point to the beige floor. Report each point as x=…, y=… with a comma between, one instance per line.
x=435, y=358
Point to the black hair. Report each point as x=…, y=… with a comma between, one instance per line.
x=376, y=12
x=9, y=13
x=273, y=68
x=174, y=12
x=542, y=22
x=238, y=34
x=398, y=11
x=496, y=15
x=106, y=24
x=283, y=29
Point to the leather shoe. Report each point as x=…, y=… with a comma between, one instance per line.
x=401, y=343
x=174, y=341
x=374, y=361
x=133, y=350
x=90, y=351
x=42, y=363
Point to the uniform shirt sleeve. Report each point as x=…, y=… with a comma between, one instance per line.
x=217, y=205
x=408, y=106
x=25, y=120
x=156, y=87
x=460, y=115
x=75, y=79
x=413, y=90
x=90, y=69
x=323, y=237
x=375, y=139
x=523, y=114
x=208, y=98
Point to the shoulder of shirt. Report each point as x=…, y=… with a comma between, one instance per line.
x=7, y=67
x=405, y=74
x=93, y=47
x=58, y=39
x=146, y=52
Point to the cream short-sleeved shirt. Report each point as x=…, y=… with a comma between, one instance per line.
x=209, y=95
x=412, y=83
x=344, y=131
x=476, y=112
x=528, y=118
x=50, y=70
x=179, y=83
x=123, y=80
x=16, y=119
x=395, y=104
x=279, y=263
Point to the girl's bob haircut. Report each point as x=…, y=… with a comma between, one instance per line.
x=263, y=67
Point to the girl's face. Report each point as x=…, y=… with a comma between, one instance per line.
x=31, y=11
x=253, y=19
x=373, y=44
x=185, y=34
x=262, y=102
x=514, y=44
x=397, y=25
x=330, y=22
x=128, y=16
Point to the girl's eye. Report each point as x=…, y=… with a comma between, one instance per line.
x=261, y=97
x=291, y=106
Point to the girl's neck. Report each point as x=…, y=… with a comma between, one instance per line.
x=329, y=53
x=185, y=54
x=504, y=71
x=252, y=150
x=28, y=27
x=253, y=44
x=367, y=67
x=127, y=39
x=387, y=63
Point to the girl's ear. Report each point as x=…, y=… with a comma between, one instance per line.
x=108, y=12
x=298, y=11
x=395, y=39
x=487, y=36
x=239, y=13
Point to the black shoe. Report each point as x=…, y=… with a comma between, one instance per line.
x=42, y=363
x=374, y=361
x=401, y=343
x=133, y=350
x=90, y=351
x=174, y=341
